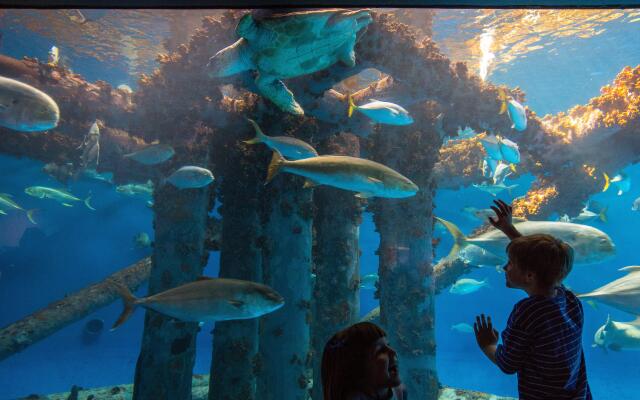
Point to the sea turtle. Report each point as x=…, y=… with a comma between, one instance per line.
x=288, y=45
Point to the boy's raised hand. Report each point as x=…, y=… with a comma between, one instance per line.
x=503, y=220
x=485, y=334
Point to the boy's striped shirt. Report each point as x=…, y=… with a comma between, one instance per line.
x=543, y=344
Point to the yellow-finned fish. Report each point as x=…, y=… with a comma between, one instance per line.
x=5, y=200
x=607, y=182
x=61, y=196
x=368, y=178
x=205, y=300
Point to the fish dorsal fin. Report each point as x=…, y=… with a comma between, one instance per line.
x=236, y=303
x=630, y=269
x=203, y=278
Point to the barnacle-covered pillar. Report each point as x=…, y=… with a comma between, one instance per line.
x=336, y=300
x=165, y=364
x=285, y=361
x=407, y=290
x=235, y=343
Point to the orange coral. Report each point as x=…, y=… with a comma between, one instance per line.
x=533, y=202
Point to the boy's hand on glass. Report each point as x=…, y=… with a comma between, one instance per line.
x=503, y=220
x=485, y=334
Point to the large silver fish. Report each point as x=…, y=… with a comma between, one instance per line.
x=616, y=336
x=291, y=148
x=60, y=195
x=25, y=108
x=368, y=178
x=623, y=293
x=590, y=245
x=205, y=300
x=152, y=155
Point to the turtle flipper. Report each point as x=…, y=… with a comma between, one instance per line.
x=276, y=91
x=348, y=54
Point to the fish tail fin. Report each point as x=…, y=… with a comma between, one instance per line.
x=260, y=136
x=603, y=214
x=86, y=202
x=129, y=301
x=607, y=182
x=512, y=167
x=503, y=101
x=459, y=239
x=352, y=106
x=30, y=216
x=276, y=164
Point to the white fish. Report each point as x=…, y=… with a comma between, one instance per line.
x=90, y=157
x=289, y=147
x=517, y=113
x=491, y=145
x=636, y=204
x=489, y=167
x=623, y=293
x=467, y=285
x=382, y=112
x=26, y=109
x=152, y=155
x=616, y=336
x=462, y=327
x=480, y=257
x=587, y=215
x=494, y=189
x=144, y=190
x=622, y=182
x=590, y=244
x=501, y=173
x=191, y=177
x=509, y=150
x=206, y=300
x=564, y=218
x=369, y=281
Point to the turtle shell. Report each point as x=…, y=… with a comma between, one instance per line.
x=299, y=43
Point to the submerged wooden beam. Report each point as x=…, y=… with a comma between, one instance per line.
x=37, y=326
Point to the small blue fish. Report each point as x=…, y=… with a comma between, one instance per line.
x=382, y=112
x=517, y=113
x=491, y=145
x=369, y=281
x=191, y=177
x=509, y=150
x=291, y=148
x=467, y=285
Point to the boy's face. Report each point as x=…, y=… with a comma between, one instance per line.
x=517, y=277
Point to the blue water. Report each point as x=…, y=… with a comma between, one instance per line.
x=74, y=247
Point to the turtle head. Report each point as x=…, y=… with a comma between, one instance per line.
x=229, y=61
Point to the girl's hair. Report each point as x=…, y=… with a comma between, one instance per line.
x=345, y=358
x=549, y=258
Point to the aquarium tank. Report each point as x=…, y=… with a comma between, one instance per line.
x=194, y=201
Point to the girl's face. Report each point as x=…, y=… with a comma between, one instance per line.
x=383, y=369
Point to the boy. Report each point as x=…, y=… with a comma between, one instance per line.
x=543, y=338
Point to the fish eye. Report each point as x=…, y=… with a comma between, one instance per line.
x=14, y=101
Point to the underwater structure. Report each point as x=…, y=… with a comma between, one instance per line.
x=303, y=241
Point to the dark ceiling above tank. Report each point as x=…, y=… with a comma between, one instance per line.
x=318, y=3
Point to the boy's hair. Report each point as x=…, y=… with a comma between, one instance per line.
x=549, y=258
x=345, y=358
